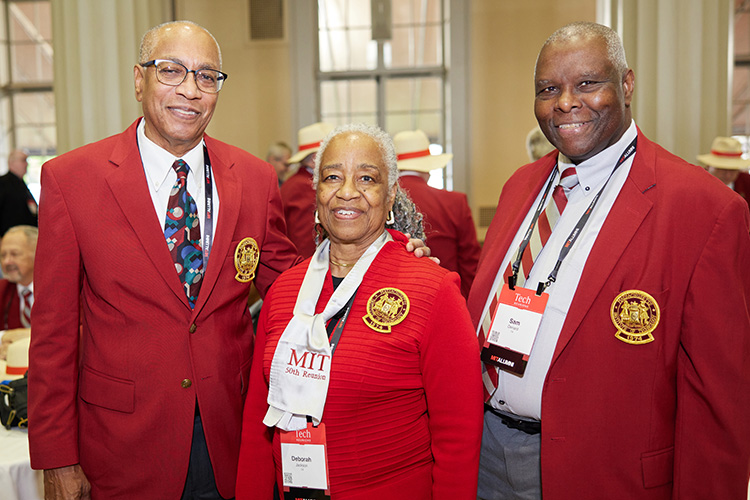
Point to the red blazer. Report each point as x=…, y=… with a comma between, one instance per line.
x=666, y=419
x=449, y=227
x=120, y=399
x=298, y=197
x=11, y=305
x=742, y=186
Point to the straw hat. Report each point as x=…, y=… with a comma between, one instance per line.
x=17, y=361
x=413, y=152
x=726, y=152
x=309, y=139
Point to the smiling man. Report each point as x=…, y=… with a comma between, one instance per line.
x=17, y=249
x=148, y=243
x=611, y=304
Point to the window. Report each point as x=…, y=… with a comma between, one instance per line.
x=383, y=62
x=27, y=103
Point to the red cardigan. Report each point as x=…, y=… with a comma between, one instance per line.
x=404, y=410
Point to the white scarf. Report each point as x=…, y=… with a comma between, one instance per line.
x=301, y=366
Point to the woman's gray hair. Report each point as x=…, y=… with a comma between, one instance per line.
x=381, y=138
x=406, y=216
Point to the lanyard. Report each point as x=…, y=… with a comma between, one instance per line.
x=335, y=329
x=577, y=230
x=208, y=229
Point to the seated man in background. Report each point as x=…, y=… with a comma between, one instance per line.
x=17, y=250
x=725, y=162
x=448, y=224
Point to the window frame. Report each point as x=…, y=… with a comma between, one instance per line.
x=306, y=98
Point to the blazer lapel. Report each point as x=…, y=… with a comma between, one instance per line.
x=627, y=214
x=128, y=184
x=229, y=188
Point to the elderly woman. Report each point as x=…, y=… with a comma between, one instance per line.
x=366, y=376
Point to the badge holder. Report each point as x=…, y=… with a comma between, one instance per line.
x=304, y=464
x=514, y=328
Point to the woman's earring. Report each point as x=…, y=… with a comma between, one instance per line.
x=391, y=219
x=317, y=219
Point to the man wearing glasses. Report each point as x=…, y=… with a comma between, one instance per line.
x=148, y=242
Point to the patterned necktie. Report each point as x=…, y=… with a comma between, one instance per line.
x=183, y=234
x=539, y=236
x=26, y=300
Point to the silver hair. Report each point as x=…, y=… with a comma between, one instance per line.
x=31, y=233
x=583, y=30
x=151, y=38
x=407, y=218
x=381, y=138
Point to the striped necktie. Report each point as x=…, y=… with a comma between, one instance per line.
x=539, y=236
x=183, y=234
x=27, y=299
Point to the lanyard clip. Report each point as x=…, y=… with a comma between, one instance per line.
x=543, y=286
x=512, y=280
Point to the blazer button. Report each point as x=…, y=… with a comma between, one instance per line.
x=193, y=328
x=186, y=383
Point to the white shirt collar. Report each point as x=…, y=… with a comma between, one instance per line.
x=592, y=173
x=20, y=288
x=157, y=161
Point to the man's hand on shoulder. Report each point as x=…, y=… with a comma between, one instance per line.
x=66, y=483
x=419, y=249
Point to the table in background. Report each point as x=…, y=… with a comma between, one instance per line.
x=17, y=480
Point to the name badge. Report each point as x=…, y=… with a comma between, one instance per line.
x=514, y=328
x=303, y=463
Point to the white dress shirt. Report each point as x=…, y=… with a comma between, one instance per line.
x=523, y=395
x=160, y=176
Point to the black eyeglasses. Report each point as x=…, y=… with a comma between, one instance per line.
x=173, y=73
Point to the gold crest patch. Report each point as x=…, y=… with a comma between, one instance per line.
x=635, y=315
x=385, y=308
x=246, y=258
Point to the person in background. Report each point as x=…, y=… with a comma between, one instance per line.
x=17, y=250
x=297, y=193
x=278, y=156
x=537, y=145
x=449, y=226
x=395, y=380
x=142, y=340
x=617, y=342
x=725, y=162
x=17, y=204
